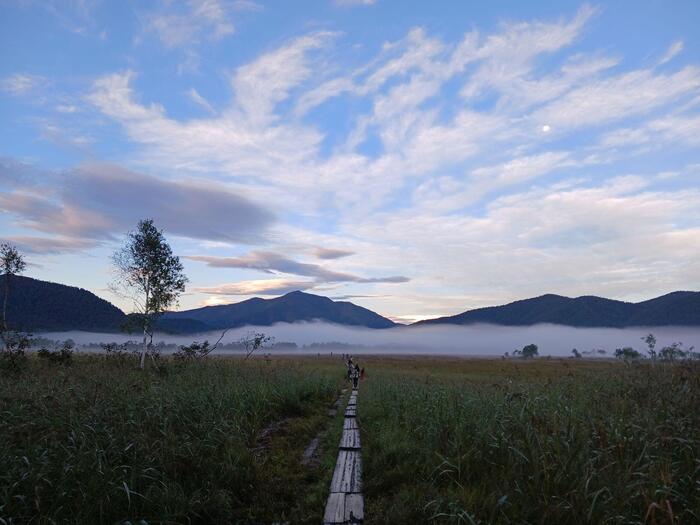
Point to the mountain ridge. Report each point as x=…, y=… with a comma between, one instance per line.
x=37, y=305
x=680, y=308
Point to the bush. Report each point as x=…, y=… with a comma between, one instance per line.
x=62, y=356
x=627, y=354
x=193, y=352
x=674, y=352
x=529, y=351
x=13, y=354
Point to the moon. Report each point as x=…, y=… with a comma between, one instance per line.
x=546, y=128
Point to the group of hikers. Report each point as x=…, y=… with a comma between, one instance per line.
x=355, y=373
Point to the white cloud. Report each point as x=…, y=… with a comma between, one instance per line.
x=200, y=100
x=668, y=131
x=255, y=287
x=66, y=108
x=672, y=51
x=21, y=83
x=201, y=19
x=611, y=99
x=613, y=239
x=352, y=3
x=262, y=84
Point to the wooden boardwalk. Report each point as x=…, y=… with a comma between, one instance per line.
x=345, y=503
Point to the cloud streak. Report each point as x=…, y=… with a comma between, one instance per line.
x=266, y=287
x=332, y=253
x=271, y=262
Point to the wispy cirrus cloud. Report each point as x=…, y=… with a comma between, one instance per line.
x=200, y=100
x=247, y=138
x=673, y=50
x=186, y=23
x=21, y=83
x=611, y=99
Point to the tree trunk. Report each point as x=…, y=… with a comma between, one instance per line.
x=145, y=330
x=4, y=302
x=3, y=328
x=145, y=345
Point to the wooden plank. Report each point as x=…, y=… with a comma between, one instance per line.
x=350, y=423
x=347, y=476
x=344, y=508
x=355, y=391
x=345, y=503
x=354, y=508
x=335, y=508
x=350, y=440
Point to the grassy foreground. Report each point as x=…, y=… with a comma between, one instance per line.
x=215, y=442
x=531, y=442
x=444, y=441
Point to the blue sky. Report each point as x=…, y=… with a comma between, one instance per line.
x=417, y=158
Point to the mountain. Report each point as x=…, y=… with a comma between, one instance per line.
x=673, y=309
x=36, y=305
x=289, y=308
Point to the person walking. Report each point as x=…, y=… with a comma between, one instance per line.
x=355, y=376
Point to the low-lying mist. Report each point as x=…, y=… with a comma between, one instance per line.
x=471, y=340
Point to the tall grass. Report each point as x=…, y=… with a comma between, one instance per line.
x=530, y=445
x=100, y=442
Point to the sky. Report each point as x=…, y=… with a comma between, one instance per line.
x=416, y=158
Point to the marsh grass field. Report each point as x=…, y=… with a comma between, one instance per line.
x=444, y=440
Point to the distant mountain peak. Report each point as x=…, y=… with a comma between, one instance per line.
x=288, y=308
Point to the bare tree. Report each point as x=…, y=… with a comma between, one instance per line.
x=148, y=273
x=198, y=351
x=254, y=341
x=11, y=263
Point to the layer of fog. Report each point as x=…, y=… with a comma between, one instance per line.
x=471, y=340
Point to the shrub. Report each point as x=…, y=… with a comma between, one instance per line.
x=627, y=354
x=13, y=354
x=675, y=352
x=193, y=352
x=62, y=356
x=529, y=351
